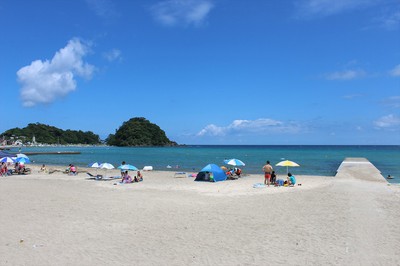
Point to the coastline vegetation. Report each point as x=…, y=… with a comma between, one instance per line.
x=137, y=131
x=41, y=133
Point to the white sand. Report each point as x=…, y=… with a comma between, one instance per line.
x=62, y=220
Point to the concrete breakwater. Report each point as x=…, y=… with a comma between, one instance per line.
x=359, y=168
x=53, y=152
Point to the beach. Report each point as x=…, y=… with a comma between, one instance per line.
x=57, y=219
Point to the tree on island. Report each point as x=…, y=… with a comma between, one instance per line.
x=139, y=131
x=52, y=135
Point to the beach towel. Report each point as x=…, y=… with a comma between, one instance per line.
x=258, y=185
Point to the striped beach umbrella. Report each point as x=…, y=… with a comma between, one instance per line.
x=235, y=162
x=7, y=160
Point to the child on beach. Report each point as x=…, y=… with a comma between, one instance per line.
x=291, y=179
x=273, y=178
x=43, y=169
x=139, y=176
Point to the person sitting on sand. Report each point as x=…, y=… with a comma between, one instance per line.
x=291, y=179
x=139, y=176
x=19, y=168
x=4, y=170
x=273, y=178
x=72, y=170
x=238, y=172
x=126, y=178
x=43, y=169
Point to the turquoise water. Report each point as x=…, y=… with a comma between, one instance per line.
x=313, y=160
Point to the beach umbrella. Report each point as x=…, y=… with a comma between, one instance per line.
x=21, y=155
x=127, y=167
x=22, y=160
x=106, y=166
x=235, y=162
x=7, y=160
x=288, y=164
x=94, y=165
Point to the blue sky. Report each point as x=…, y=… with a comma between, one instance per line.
x=206, y=71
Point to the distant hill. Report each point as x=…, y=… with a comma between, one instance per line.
x=52, y=135
x=139, y=131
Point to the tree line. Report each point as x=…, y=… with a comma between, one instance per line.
x=137, y=131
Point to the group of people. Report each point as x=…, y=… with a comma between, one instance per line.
x=270, y=177
x=19, y=168
x=235, y=172
x=126, y=178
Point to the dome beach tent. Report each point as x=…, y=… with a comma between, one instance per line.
x=211, y=170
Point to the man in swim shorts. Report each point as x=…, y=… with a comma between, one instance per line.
x=267, y=169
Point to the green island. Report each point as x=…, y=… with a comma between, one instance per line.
x=137, y=131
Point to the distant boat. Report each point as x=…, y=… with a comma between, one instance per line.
x=390, y=177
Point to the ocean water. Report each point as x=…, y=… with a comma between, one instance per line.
x=313, y=159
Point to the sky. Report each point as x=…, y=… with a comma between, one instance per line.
x=240, y=72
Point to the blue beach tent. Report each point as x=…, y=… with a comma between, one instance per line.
x=211, y=173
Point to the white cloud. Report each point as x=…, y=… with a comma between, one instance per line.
x=250, y=127
x=43, y=82
x=390, y=21
x=395, y=72
x=388, y=121
x=309, y=8
x=186, y=12
x=346, y=75
x=112, y=55
x=393, y=101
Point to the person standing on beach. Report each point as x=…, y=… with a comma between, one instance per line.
x=267, y=169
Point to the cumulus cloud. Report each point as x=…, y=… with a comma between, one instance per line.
x=112, y=55
x=259, y=126
x=43, y=82
x=182, y=12
x=310, y=8
x=346, y=75
x=389, y=121
x=395, y=72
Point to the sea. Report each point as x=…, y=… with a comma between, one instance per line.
x=321, y=160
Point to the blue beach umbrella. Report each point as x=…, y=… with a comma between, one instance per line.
x=127, y=167
x=234, y=162
x=7, y=160
x=22, y=155
x=22, y=160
